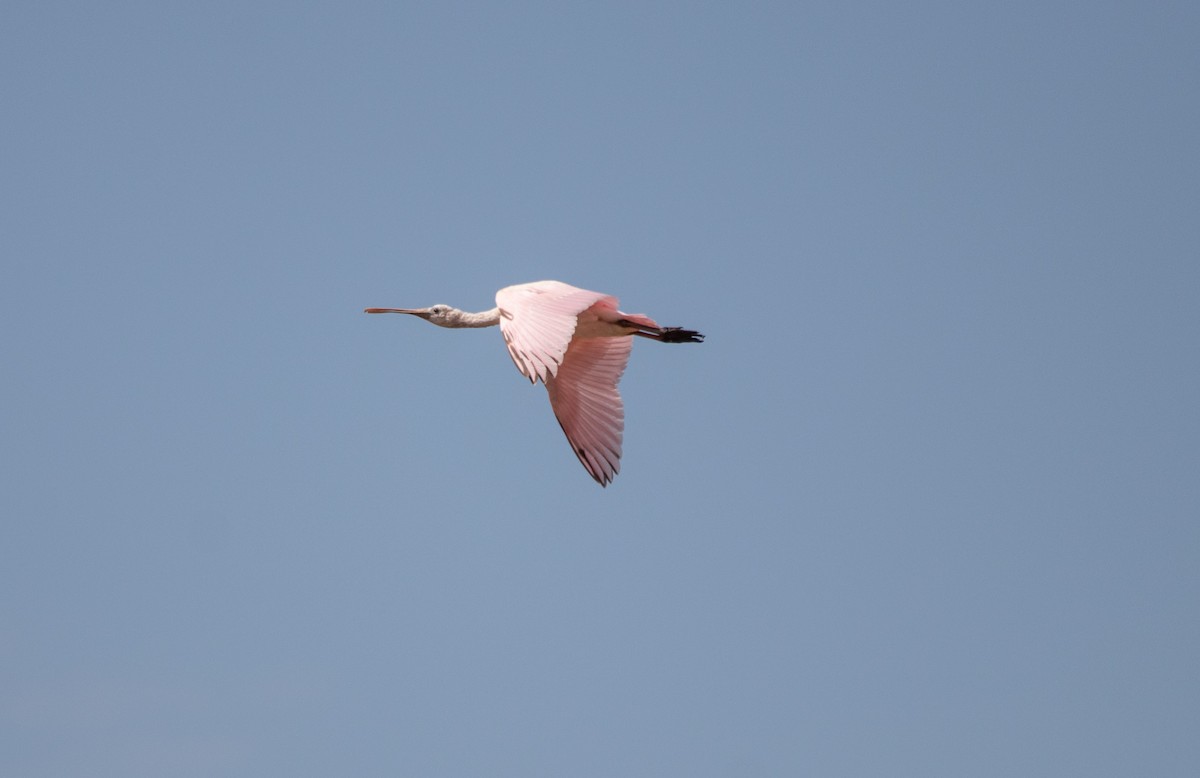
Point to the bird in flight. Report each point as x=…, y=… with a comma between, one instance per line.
x=577, y=344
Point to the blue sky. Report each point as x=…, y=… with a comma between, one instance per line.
x=924, y=503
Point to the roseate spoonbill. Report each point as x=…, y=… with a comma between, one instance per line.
x=575, y=342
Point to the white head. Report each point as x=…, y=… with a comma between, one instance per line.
x=445, y=316
x=441, y=315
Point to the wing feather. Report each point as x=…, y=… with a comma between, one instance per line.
x=584, y=396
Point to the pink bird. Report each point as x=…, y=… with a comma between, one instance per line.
x=575, y=342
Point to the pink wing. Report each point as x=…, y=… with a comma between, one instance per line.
x=538, y=320
x=584, y=396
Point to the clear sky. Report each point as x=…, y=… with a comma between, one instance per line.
x=926, y=502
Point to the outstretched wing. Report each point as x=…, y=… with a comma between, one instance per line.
x=538, y=320
x=583, y=393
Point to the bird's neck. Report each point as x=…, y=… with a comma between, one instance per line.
x=482, y=319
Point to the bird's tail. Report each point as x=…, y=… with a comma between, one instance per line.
x=671, y=335
x=646, y=327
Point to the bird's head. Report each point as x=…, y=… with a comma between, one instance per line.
x=441, y=315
